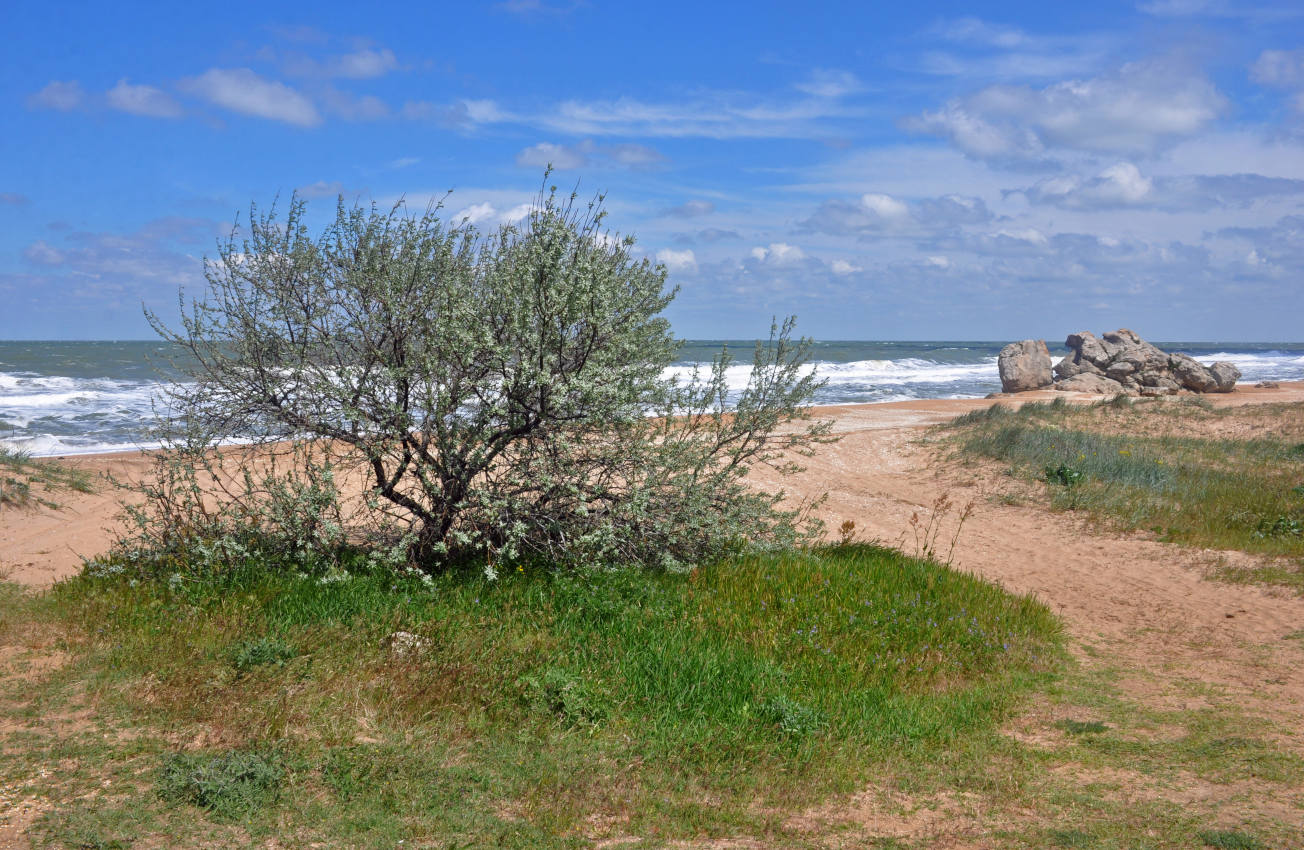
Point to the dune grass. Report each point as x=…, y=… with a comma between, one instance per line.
x=26, y=481
x=1225, y=479
x=541, y=709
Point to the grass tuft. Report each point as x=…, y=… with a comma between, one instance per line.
x=1230, y=840
x=29, y=482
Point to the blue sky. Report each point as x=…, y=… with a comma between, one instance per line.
x=883, y=171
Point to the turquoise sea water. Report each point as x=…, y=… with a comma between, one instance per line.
x=83, y=397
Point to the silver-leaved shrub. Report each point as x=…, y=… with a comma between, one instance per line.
x=406, y=383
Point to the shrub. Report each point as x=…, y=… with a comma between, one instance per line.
x=499, y=397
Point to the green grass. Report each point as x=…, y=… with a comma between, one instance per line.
x=543, y=709
x=26, y=481
x=1162, y=467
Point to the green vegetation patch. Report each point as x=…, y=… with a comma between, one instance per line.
x=26, y=481
x=674, y=705
x=228, y=785
x=1136, y=465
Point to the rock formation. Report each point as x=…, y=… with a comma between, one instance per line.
x=1119, y=362
x=1024, y=366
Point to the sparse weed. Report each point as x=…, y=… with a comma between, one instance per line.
x=1230, y=839
x=228, y=785
x=247, y=655
x=26, y=481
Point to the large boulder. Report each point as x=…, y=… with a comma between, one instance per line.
x=1226, y=374
x=1094, y=384
x=1194, y=376
x=1075, y=364
x=1086, y=347
x=1126, y=359
x=1024, y=366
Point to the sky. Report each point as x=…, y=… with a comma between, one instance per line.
x=976, y=171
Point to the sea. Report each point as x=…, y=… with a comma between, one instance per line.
x=64, y=398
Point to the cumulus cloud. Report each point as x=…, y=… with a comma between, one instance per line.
x=1139, y=108
x=843, y=267
x=241, y=90
x=778, y=254
x=1123, y=186
x=142, y=100
x=876, y=212
x=677, y=261
x=475, y=214
x=62, y=96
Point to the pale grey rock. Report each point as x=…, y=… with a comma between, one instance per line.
x=1024, y=366
x=1190, y=374
x=1075, y=364
x=1226, y=374
x=1095, y=384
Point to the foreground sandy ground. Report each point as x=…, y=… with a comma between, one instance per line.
x=1141, y=612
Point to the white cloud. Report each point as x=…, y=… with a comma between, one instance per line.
x=516, y=213
x=241, y=90
x=475, y=214
x=58, y=95
x=691, y=209
x=779, y=253
x=42, y=253
x=460, y=113
x=677, y=261
x=1279, y=68
x=830, y=84
x=1135, y=110
x=142, y=100
x=977, y=31
x=561, y=157
x=885, y=207
x=842, y=267
x=1031, y=235
x=719, y=115
x=1218, y=9
x=587, y=152
x=365, y=64
x=321, y=189
x=876, y=212
x=1123, y=186
x=352, y=107
x=635, y=156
